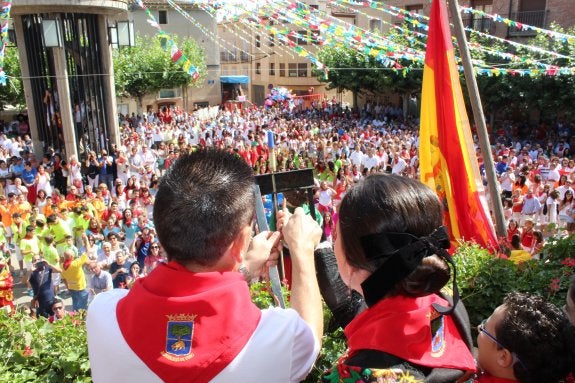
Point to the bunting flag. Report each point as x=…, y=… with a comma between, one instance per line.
x=447, y=156
x=176, y=54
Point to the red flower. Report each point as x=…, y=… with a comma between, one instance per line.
x=27, y=351
x=554, y=285
x=569, y=262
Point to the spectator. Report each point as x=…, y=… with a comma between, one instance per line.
x=42, y=285
x=221, y=243
x=525, y=340
x=100, y=281
x=6, y=284
x=518, y=253
x=391, y=251
x=73, y=273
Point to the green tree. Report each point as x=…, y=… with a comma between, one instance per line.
x=147, y=68
x=363, y=74
x=180, y=330
x=12, y=93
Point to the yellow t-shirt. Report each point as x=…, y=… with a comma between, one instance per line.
x=50, y=254
x=29, y=247
x=519, y=256
x=74, y=274
x=59, y=230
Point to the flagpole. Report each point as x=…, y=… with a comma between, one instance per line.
x=478, y=116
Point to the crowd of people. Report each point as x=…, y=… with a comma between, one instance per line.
x=85, y=226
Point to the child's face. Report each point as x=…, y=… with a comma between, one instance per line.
x=488, y=346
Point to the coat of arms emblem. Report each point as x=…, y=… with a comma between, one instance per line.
x=179, y=333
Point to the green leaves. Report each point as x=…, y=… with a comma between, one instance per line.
x=147, y=67
x=484, y=280
x=13, y=92
x=37, y=351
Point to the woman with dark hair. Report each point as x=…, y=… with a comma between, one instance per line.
x=521, y=184
x=390, y=246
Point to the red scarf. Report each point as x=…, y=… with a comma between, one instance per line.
x=172, y=309
x=401, y=326
x=67, y=263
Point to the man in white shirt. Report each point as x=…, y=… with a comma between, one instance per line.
x=399, y=165
x=356, y=157
x=100, y=281
x=192, y=319
x=370, y=161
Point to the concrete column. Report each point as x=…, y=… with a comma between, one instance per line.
x=61, y=71
x=36, y=141
x=109, y=83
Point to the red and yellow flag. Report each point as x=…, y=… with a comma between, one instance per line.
x=447, y=156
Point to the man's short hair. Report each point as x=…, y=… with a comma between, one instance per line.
x=202, y=203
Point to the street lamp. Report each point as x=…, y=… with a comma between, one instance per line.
x=51, y=33
x=125, y=33
x=113, y=36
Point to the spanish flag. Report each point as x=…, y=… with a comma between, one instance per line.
x=446, y=152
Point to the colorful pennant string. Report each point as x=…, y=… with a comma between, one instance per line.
x=176, y=54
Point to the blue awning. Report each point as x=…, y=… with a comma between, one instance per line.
x=234, y=79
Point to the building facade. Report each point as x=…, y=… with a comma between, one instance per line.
x=190, y=22
x=253, y=52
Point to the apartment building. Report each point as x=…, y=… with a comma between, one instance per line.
x=189, y=22
x=246, y=60
x=264, y=62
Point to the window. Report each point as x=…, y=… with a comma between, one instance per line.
x=282, y=70
x=228, y=55
x=417, y=8
x=162, y=17
x=375, y=25
x=302, y=70
x=272, y=69
x=482, y=24
x=258, y=41
x=271, y=41
x=258, y=68
x=170, y=93
x=299, y=37
x=302, y=38
x=292, y=70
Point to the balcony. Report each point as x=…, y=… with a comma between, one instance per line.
x=482, y=24
x=533, y=18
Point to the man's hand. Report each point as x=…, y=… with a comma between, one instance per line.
x=262, y=253
x=300, y=231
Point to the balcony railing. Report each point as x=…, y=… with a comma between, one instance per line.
x=479, y=24
x=533, y=18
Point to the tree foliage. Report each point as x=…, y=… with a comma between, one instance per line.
x=12, y=93
x=502, y=95
x=147, y=67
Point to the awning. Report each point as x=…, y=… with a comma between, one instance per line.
x=234, y=79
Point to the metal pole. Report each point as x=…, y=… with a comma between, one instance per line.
x=479, y=118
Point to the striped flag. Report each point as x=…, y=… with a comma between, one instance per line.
x=447, y=155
